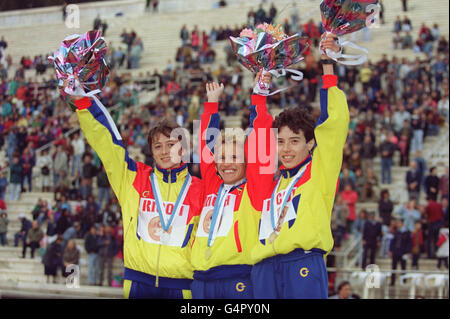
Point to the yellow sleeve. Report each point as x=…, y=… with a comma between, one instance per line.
x=103, y=136
x=330, y=134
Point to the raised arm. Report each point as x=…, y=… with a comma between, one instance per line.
x=103, y=136
x=331, y=128
x=260, y=150
x=209, y=130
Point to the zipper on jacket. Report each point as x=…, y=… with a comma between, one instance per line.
x=170, y=184
x=157, y=266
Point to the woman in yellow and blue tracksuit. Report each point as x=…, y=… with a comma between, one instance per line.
x=154, y=268
x=295, y=233
x=221, y=254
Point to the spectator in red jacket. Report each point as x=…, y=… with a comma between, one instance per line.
x=311, y=30
x=350, y=197
x=22, y=92
x=443, y=184
x=434, y=214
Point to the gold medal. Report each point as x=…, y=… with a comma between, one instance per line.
x=208, y=253
x=272, y=237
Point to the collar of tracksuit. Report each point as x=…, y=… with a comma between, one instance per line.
x=173, y=173
x=290, y=172
x=231, y=188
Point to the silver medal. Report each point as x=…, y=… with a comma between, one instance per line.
x=165, y=238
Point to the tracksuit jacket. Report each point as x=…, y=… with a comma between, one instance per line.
x=148, y=263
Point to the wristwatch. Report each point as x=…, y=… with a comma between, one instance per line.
x=327, y=61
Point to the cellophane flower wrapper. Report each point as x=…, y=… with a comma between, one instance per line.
x=342, y=17
x=80, y=62
x=266, y=52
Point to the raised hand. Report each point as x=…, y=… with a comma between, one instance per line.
x=74, y=97
x=214, y=91
x=328, y=42
x=265, y=78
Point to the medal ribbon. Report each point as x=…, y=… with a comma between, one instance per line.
x=291, y=185
x=178, y=203
x=218, y=211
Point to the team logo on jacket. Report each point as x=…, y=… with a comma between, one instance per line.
x=149, y=224
x=240, y=287
x=225, y=221
x=304, y=272
x=146, y=194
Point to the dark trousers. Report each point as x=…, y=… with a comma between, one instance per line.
x=368, y=250
x=296, y=275
x=3, y=239
x=432, y=238
x=395, y=260
x=105, y=261
x=140, y=290
x=415, y=261
x=33, y=245
x=17, y=237
x=386, y=164
x=405, y=5
x=340, y=232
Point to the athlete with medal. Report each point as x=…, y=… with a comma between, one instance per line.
x=160, y=204
x=295, y=233
x=234, y=181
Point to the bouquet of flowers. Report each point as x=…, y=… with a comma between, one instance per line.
x=268, y=48
x=80, y=65
x=347, y=16
x=342, y=17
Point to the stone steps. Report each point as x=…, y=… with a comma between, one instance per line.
x=28, y=264
x=424, y=263
x=21, y=289
x=32, y=271
x=16, y=252
x=164, y=43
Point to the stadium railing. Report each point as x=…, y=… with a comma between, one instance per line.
x=376, y=281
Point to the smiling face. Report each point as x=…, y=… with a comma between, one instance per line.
x=230, y=162
x=292, y=147
x=166, y=151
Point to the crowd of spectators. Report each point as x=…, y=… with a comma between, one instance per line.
x=427, y=37
x=128, y=53
x=100, y=227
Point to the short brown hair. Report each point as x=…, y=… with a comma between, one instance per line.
x=234, y=136
x=164, y=127
x=298, y=118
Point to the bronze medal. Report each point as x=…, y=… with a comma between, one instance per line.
x=272, y=237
